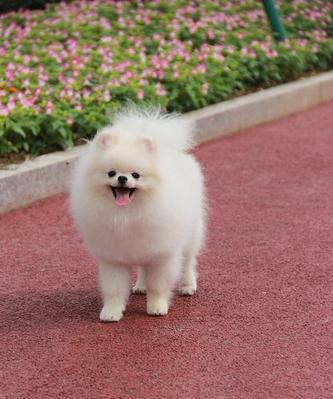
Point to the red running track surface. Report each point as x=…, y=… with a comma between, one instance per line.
x=260, y=325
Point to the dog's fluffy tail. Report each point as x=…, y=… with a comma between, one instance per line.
x=172, y=130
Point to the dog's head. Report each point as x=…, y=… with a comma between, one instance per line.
x=124, y=168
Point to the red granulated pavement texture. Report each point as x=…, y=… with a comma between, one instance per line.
x=260, y=325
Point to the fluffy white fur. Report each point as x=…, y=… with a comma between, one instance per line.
x=160, y=228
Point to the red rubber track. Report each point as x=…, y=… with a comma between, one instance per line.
x=260, y=325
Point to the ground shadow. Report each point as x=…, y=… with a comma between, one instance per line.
x=32, y=309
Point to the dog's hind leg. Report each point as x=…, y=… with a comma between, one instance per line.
x=140, y=284
x=188, y=281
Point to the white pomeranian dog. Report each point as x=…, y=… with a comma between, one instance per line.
x=137, y=198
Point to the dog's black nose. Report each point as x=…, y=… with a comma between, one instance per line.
x=122, y=180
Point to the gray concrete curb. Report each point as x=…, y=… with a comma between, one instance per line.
x=49, y=174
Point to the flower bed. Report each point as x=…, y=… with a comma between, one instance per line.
x=65, y=69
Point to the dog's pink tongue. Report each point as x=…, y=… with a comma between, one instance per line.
x=123, y=198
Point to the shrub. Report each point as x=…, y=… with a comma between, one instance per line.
x=65, y=69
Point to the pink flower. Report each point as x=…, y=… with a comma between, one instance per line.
x=106, y=39
x=160, y=90
x=201, y=68
x=27, y=103
x=264, y=47
x=204, y=88
x=106, y=95
x=48, y=108
x=26, y=59
x=218, y=57
x=11, y=104
x=210, y=34
x=4, y=111
x=25, y=83
x=10, y=75
x=140, y=94
x=244, y=51
x=85, y=93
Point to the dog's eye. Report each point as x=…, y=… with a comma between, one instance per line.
x=112, y=173
x=135, y=175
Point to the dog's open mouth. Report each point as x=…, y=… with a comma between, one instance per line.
x=122, y=195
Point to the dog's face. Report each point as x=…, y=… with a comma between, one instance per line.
x=123, y=169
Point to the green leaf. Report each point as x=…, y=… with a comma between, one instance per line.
x=18, y=129
x=63, y=132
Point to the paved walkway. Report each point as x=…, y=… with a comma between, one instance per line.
x=260, y=325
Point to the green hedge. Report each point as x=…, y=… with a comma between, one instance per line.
x=64, y=70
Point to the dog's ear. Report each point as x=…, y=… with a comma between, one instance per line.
x=149, y=144
x=104, y=140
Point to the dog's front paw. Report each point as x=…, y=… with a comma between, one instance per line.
x=157, y=307
x=111, y=313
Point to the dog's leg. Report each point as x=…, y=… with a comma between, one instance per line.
x=114, y=283
x=140, y=284
x=188, y=282
x=160, y=281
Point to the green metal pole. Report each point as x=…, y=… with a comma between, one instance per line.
x=273, y=17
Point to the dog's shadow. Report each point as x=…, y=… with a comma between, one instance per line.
x=33, y=310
